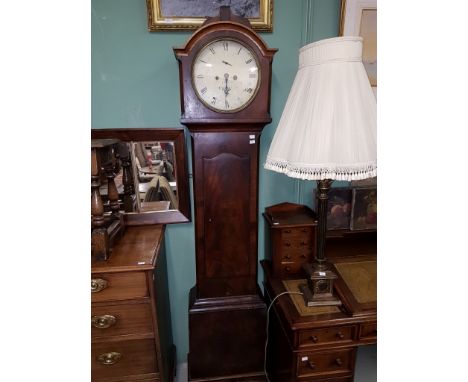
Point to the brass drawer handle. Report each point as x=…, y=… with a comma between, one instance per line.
x=314, y=339
x=339, y=362
x=109, y=358
x=103, y=322
x=311, y=364
x=98, y=285
x=340, y=335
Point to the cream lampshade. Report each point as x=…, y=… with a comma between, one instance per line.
x=328, y=131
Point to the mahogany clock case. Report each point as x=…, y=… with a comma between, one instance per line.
x=226, y=309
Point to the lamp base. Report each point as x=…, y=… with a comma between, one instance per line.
x=319, y=288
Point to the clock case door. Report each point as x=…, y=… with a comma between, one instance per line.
x=226, y=310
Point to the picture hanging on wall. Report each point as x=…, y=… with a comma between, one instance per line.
x=359, y=18
x=364, y=209
x=339, y=208
x=166, y=15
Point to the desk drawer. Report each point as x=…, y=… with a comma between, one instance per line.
x=335, y=335
x=120, y=319
x=123, y=358
x=118, y=286
x=326, y=363
x=368, y=331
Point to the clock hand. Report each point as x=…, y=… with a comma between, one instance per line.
x=225, y=62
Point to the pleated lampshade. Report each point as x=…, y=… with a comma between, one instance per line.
x=328, y=129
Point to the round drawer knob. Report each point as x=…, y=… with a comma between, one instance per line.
x=313, y=338
x=288, y=269
x=338, y=361
x=340, y=335
x=109, y=358
x=311, y=364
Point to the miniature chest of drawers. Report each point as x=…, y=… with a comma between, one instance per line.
x=131, y=337
x=290, y=238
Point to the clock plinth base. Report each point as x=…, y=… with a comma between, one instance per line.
x=227, y=338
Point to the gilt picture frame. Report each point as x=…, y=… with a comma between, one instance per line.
x=170, y=15
x=359, y=18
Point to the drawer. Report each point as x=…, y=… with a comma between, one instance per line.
x=297, y=232
x=120, y=319
x=302, y=256
x=123, y=358
x=326, y=363
x=298, y=244
x=335, y=335
x=118, y=286
x=291, y=268
x=368, y=331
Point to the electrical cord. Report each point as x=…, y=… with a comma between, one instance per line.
x=267, y=324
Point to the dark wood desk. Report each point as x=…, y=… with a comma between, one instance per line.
x=319, y=344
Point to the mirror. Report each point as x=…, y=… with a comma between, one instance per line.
x=152, y=179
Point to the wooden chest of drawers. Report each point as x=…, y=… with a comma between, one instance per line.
x=131, y=337
x=290, y=238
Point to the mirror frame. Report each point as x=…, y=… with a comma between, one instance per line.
x=177, y=135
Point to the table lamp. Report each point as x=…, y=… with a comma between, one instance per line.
x=327, y=132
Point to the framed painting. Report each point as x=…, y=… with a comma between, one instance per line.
x=166, y=15
x=359, y=18
x=364, y=209
x=339, y=208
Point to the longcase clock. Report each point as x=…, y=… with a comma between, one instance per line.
x=225, y=83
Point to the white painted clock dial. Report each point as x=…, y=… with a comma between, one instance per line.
x=225, y=75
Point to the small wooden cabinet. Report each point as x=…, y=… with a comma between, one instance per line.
x=290, y=238
x=131, y=336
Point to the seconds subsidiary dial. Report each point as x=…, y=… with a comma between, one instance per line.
x=226, y=75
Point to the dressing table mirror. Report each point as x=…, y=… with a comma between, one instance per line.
x=152, y=180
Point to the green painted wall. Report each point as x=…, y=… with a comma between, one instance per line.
x=135, y=84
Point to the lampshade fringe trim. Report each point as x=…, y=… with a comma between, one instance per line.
x=320, y=173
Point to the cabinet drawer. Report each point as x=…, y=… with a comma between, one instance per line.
x=301, y=256
x=123, y=358
x=368, y=331
x=289, y=233
x=290, y=268
x=120, y=319
x=326, y=363
x=337, y=335
x=118, y=286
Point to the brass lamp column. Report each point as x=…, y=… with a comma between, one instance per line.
x=319, y=288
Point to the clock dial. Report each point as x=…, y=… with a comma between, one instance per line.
x=226, y=75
